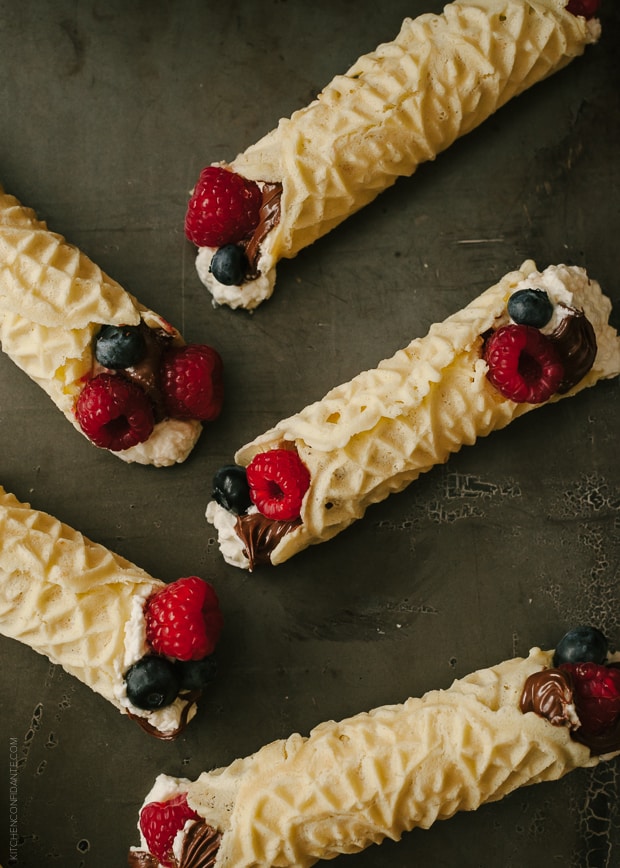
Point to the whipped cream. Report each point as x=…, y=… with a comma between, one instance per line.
x=231, y=545
x=247, y=295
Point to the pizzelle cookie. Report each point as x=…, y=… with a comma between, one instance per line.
x=103, y=619
x=379, y=774
x=533, y=338
x=394, y=109
x=112, y=366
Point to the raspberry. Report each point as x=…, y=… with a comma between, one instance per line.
x=224, y=208
x=596, y=692
x=586, y=8
x=523, y=364
x=278, y=481
x=192, y=382
x=114, y=413
x=183, y=620
x=160, y=822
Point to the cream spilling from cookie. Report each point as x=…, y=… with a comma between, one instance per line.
x=376, y=775
x=395, y=108
x=55, y=304
x=84, y=607
x=472, y=374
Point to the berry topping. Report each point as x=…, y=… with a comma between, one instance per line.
x=586, y=8
x=530, y=307
x=581, y=645
x=231, y=489
x=523, y=364
x=278, y=481
x=596, y=692
x=183, y=620
x=119, y=346
x=114, y=413
x=160, y=822
x=230, y=265
x=152, y=682
x=196, y=674
x=192, y=382
x=224, y=208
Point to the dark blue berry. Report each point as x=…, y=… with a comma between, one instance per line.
x=229, y=265
x=153, y=682
x=119, y=347
x=231, y=489
x=530, y=307
x=581, y=645
x=196, y=674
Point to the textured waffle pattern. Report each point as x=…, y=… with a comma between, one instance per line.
x=374, y=435
x=64, y=596
x=53, y=299
x=403, y=104
x=379, y=774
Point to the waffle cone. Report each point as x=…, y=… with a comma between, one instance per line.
x=398, y=107
x=374, y=435
x=71, y=600
x=53, y=299
x=376, y=775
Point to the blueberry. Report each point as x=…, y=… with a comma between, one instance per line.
x=119, y=346
x=195, y=674
x=231, y=489
x=581, y=645
x=530, y=307
x=152, y=682
x=229, y=265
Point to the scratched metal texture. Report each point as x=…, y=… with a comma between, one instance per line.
x=108, y=111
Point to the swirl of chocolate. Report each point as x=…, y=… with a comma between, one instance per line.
x=200, y=846
x=141, y=859
x=575, y=340
x=260, y=535
x=549, y=694
x=269, y=216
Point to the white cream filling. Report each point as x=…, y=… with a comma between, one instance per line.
x=247, y=295
x=231, y=545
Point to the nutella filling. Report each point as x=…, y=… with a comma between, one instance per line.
x=260, y=535
x=200, y=846
x=545, y=693
x=141, y=859
x=145, y=374
x=575, y=341
x=191, y=698
x=269, y=216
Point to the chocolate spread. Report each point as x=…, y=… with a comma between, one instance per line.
x=269, y=216
x=549, y=694
x=260, y=535
x=200, y=846
x=575, y=341
x=545, y=693
x=146, y=373
x=191, y=698
x=141, y=859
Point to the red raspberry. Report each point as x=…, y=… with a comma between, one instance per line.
x=224, y=208
x=587, y=8
x=278, y=481
x=114, y=413
x=160, y=822
x=596, y=692
x=183, y=620
x=192, y=382
x=523, y=364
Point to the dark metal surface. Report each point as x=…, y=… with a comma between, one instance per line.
x=108, y=111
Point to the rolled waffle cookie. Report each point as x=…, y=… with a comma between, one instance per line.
x=394, y=109
x=533, y=338
x=379, y=774
x=108, y=363
x=100, y=617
